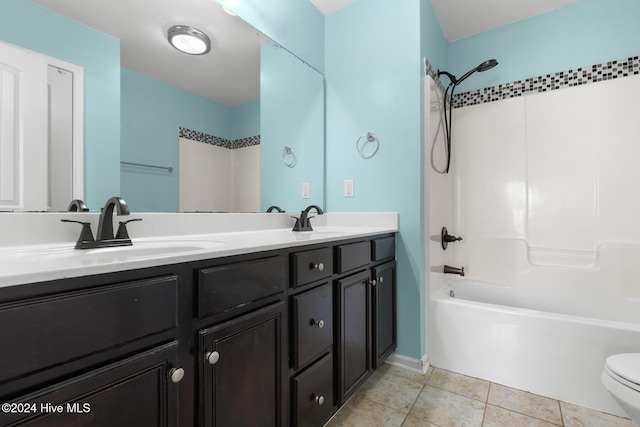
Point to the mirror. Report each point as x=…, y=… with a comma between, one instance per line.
x=136, y=118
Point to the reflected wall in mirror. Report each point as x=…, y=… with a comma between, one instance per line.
x=29, y=26
x=135, y=115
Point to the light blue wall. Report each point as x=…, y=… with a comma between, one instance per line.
x=434, y=45
x=33, y=27
x=295, y=24
x=291, y=114
x=586, y=33
x=246, y=120
x=152, y=112
x=373, y=72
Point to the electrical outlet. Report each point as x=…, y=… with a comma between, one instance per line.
x=305, y=190
x=348, y=188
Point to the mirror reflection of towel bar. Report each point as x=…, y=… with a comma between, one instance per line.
x=169, y=168
x=289, y=157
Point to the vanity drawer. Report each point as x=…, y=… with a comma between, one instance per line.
x=231, y=286
x=309, y=266
x=312, y=394
x=312, y=324
x=353, y=255
x=383, y=248
x=49, y=331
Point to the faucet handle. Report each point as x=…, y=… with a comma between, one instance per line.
x=296, y=226
x=86, y=235
x=122, y=232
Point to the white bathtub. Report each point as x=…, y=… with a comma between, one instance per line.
x=549, y=343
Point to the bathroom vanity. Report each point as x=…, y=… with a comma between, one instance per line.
x=271, y=335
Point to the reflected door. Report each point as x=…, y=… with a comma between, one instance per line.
x=23, y=130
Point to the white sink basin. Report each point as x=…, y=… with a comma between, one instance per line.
x=138, y=251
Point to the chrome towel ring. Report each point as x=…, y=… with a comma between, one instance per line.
x=371, y=138
x=289, y=157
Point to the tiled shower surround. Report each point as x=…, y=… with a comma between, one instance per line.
x=218, y=141
x=563, y=79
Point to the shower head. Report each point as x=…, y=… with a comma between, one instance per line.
x=486, y=65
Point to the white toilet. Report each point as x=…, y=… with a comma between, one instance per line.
x=621, y=377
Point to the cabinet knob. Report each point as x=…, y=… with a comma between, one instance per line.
x=212, y=357
x=176, y=375
x=318, y=399
x=319, y=323
x=319, y=266
x=380, y=279
x=373, y=282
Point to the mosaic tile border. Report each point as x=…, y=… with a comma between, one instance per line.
x=218, y=141
x=564, y=79
x=430, y=71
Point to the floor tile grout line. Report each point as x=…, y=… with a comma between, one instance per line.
x=561, y=413
x=418, y=395
x=522, y=413
x=486, y=403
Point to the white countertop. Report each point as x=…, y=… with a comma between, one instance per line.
x=20, y=264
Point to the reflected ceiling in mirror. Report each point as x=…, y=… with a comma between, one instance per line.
x=229, y=74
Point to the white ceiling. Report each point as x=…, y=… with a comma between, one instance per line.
x=230, y=73
x=329, y=6
x=461, y=18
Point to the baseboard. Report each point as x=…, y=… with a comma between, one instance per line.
x=419, y=366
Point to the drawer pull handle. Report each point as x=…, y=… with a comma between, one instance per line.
x=319, y=266
x=319, y=323
x=212, y=357
x=176, y=375
x=318, y=399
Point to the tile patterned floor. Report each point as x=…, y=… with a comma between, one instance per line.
x=396, y=397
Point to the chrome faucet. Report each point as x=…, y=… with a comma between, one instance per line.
x=303, y=223
x=105, y=225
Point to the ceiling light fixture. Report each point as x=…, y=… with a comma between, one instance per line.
x=189, y=40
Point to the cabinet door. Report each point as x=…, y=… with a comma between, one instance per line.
x=384, y=312
x=354, y=333
x=312, y=328
x=242, y=370
x=312, y=394
x=137, y=391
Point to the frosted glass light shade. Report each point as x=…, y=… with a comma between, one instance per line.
x=189, y=40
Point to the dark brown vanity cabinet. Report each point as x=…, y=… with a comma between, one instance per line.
x=354, y=333
x=312, y=394
x=384, y=312
x=365, y=310
x=312, y=326
x=311, y=337
x=275, y=338
x=242, y=356
x=91, y=352
x=383, y=252
x=136, y=391
x=243, y=372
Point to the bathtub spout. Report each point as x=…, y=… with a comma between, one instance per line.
x=453, y=270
